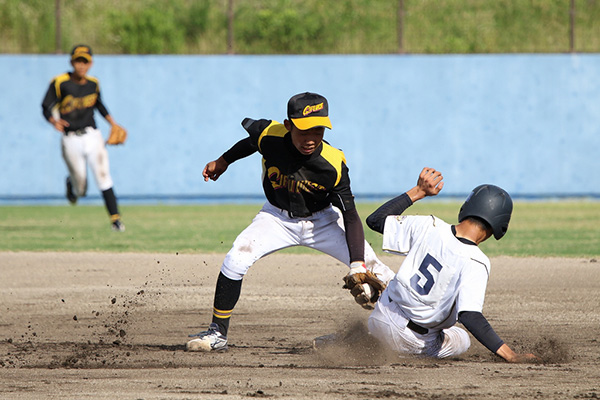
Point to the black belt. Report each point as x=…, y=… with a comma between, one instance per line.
x=412, y=326
x=78, y=132
x=416, y=328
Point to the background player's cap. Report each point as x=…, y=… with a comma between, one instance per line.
x=308, y=110
x=81, y=51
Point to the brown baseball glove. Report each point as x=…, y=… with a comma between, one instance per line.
x=118, y=135
x=364, y=285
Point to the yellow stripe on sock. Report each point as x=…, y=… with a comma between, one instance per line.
x=223, y=314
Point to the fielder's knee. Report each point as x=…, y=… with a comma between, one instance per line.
x=235, y=268
x=238, y=260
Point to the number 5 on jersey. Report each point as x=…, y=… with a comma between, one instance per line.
x=425, y=287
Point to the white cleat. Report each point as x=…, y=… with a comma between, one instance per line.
x=210, y=340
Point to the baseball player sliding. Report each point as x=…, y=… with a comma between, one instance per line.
x=444, y=275
x=69, y=106
x=303, y=179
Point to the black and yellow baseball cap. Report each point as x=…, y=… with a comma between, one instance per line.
x=81, y=51
x=308, y=110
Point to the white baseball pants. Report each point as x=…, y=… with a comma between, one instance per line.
x=272, y=229
x=389, y=326
x=80, y=150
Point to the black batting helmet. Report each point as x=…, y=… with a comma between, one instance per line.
x=490, y=203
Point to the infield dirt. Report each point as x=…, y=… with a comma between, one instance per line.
x=114, y=326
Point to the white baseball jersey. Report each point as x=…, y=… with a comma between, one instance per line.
x=440, y=277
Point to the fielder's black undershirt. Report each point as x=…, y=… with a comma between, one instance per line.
x=240, y=150
x=354, y=235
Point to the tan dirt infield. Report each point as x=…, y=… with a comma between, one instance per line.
x=114, y=326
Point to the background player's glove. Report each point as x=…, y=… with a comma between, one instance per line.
x=363, y=285
x=118, y=135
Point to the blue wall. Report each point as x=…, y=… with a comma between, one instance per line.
x=529, y=123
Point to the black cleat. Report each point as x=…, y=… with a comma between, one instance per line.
x=118, y=226
x=70, y=195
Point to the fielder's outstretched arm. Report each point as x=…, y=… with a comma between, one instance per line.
x=214, y=169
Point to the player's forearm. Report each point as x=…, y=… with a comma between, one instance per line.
x=48, y=115
x=508, y=354
x=355, y=236
x=240, y=150
x=477, y=324
x=102, y=109
x=221, y=165
x=416, y=194
x=110, y=119
x=50, y=100
x=396, y=206
x=47, y=111
x=481, y=329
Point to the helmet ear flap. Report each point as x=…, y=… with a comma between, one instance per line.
x=490, y=203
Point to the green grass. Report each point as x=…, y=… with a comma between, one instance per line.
x=542, y=229
x=300, y=26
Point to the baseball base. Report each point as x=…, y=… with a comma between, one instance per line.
x=198, y=345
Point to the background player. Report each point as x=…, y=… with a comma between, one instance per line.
x=69, y=106
x=444, y=275
x=303, y=176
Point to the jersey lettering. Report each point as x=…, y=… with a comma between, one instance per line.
x=425, y=288
x=70, y=103
x=280, y=181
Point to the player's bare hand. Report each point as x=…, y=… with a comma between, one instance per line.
x=509, y=355
x=214, y=169
x=524, y=358
x=60, y=124
x=429, y=183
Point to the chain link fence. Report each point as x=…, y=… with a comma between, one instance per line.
x=300, y=26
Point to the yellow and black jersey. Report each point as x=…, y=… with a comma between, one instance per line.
x=75, y=102
x=300, y=184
